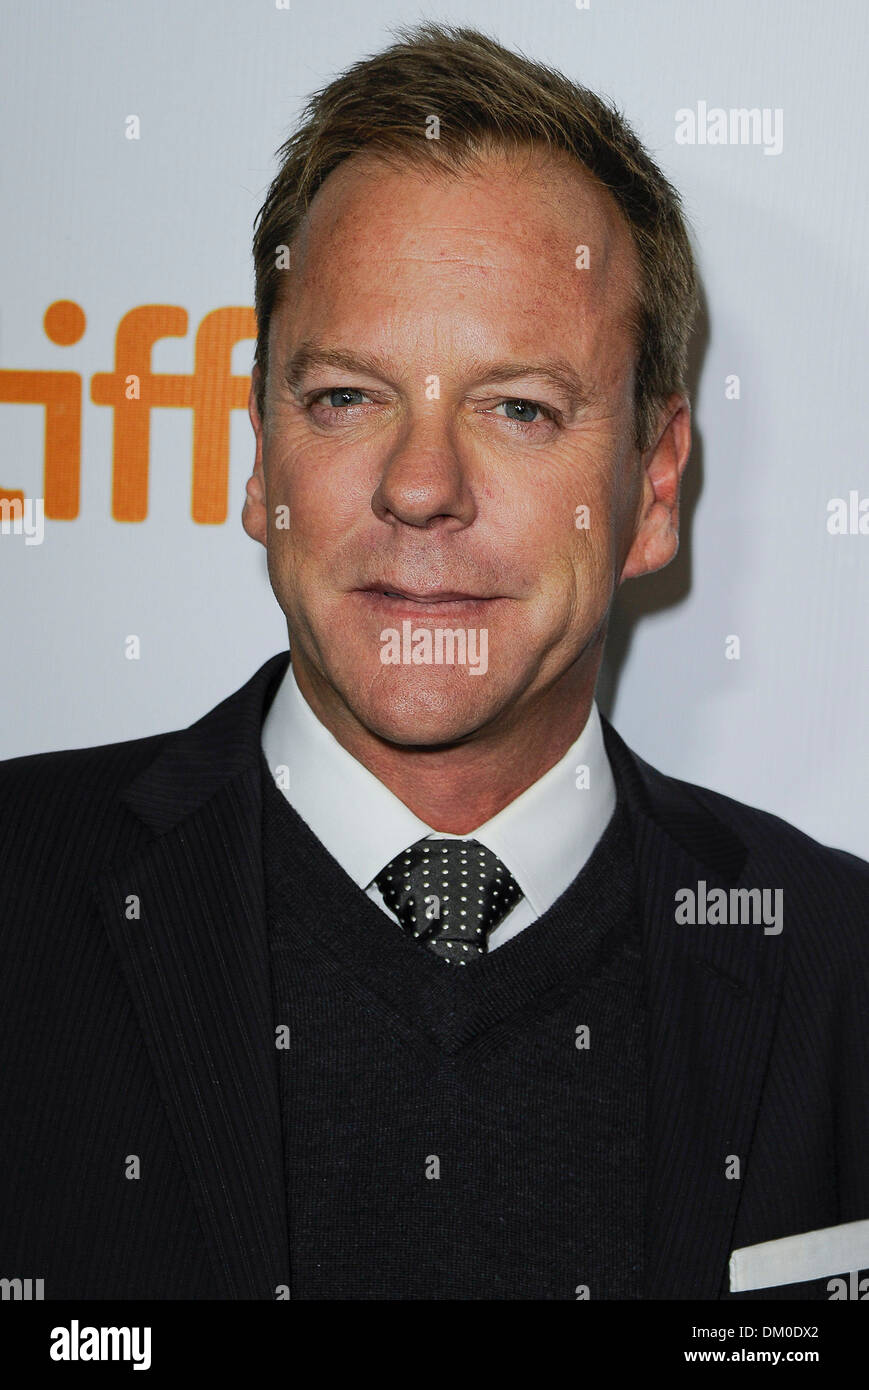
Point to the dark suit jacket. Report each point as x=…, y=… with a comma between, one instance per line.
x=136, y=1023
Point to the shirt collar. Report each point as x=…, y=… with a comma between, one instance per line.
x=544, y=836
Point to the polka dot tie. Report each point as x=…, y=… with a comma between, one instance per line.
x=449, y=894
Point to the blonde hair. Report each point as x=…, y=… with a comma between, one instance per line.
x=489, y=97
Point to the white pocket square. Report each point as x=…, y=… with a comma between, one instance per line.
x=793, y=1259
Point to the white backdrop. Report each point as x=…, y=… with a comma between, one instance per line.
x=113, y=223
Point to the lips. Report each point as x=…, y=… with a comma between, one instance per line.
x=394, y=601
x=429, y=596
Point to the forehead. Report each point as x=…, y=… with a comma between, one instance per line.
x=500, y=243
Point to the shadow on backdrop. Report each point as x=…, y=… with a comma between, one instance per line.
x=638, y=598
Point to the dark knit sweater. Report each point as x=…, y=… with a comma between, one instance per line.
x=444, y=1136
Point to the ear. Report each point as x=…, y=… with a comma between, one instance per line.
x=656, y=537
x=253, y=516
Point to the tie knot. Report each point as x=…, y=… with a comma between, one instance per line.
x=449, y=894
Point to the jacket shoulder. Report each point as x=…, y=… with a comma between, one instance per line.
x=62, y=813
x=676, y=804
x=770, y=835
x=824, y=891
x=101, y=769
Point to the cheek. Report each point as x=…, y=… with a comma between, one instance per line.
x=569, y=514
x=603, y=482
x=311, y=506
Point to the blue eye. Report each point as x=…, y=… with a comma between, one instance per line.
x=524, y=406
x=523, y=410
x=342, y=392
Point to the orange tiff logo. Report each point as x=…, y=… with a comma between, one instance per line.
x=132, y=391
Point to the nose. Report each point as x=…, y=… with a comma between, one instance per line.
x=425, y=479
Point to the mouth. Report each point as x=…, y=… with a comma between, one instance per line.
x=414, y=602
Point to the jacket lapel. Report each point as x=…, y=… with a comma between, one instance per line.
x=196, y=962
x=712, y=996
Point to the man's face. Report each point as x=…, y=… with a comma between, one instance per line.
x=484, y=393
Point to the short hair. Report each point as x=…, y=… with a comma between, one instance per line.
x=489, y=98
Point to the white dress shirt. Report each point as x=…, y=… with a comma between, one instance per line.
x=543, y=837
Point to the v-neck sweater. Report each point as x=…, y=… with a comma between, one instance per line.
x=451, y=1133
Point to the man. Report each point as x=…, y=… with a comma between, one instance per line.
x=398, y=975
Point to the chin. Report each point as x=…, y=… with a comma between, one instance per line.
x=416, y=707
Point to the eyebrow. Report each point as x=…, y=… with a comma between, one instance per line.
x=580, y=394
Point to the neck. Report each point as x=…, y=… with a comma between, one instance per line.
x=457, y=787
